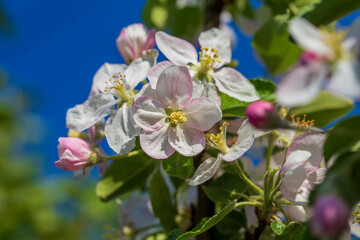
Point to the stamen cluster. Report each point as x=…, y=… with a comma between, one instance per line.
x=302, y=123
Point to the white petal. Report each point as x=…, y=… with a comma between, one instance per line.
x=346, y=78
x=174, y=88
x=155, y=71
x=156, y=144
x=301, y=85
x=146, y=90
x=239, y=149
x=205, y=171
x=90, y=112
x=215, y=38
x=187, y=141
x=252, y=220
x=121, y=130
x=234, y=84
x=297, y=213
x=294, y=176
x=105, y=72
x=246, y=130
x=206, y=89
x=296, y=158
x=175, y=49
x=201, y=113
x=309, y=37
x=82, y=174
x=138, y=69
x=312, y=142
x=148, y=114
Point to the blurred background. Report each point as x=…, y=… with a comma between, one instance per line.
x=50, y=51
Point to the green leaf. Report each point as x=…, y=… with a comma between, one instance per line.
x=124, y=175
x=232, y=223
x=225, y=188
x=278, y=227
x=272, y=43
x=206, y=223
x=232, y=107
x=325, y=108
x=161, y=202
x=343, y=137
x=328, y=11
x=292, y=231
x=178, y=166
x=175, y=234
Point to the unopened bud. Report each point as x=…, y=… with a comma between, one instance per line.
x=263, y=115
x=331, y=216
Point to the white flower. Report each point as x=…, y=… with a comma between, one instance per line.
x=113, y=85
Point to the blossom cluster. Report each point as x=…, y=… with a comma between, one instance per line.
x=179, y=110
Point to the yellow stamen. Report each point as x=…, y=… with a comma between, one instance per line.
x=218, y=141
x=302, y=123
x=177, y=117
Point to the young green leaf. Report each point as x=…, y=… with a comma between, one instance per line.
x=124, y=175
x=178, y=166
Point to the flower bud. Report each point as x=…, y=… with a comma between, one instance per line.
x=331, y=216
x=309, y=57
x=74, y=154
x=263, y=115
x=133, y=40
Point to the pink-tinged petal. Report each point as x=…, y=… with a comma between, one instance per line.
x=148, y=114
x=156, y=144
x=239, y=149
x=205, y=171
x=234, y=84
x=318, y=176
x=93, y=110
x=174, y=88
x=206, y=89
x=125, y=47
x=302, y=84
x=150, y=40
x=155, y=71
x=175, y=49
x=137, y=70
x=121, y=130
x=201, y=113
x=215, y=38
x=77, y=146
x=312, y=142
x=69, y=162
x=105, y=72
x=246, y=130
x=297, y=213
x=309, y=37
x=187, y=141
x=346, y=78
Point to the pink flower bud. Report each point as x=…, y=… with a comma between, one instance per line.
x=133, y=40
x=263, y=115
x=331, y=216
x=74, y=154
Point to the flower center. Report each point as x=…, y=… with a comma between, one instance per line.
x=208, y=60
x=302, y=123
x=218, y=141
x=177, y=118
x=355, y=216
x=115, y=86
x=334, y=41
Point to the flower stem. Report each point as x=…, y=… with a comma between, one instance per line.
x=243, y=176
x=242, y=204
x=118, y=157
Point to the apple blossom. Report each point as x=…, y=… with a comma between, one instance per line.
x=133, y=40
x=301, y=171
x=329, y=56
x=113, y=84
x=215, y=53
x=174, y=121
x=244, y=141
x=74, y=153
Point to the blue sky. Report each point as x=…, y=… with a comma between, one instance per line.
x=58, y=45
